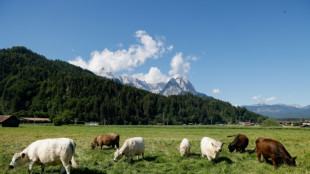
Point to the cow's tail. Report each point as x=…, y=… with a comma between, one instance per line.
x=73, y=162
x=231, y=135
x=251, y=151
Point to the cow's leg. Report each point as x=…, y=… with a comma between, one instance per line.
x=30, y=166
x=66, y=166
x=42, y=169
x=258, y=157
x=266, y=159
x=274, y=162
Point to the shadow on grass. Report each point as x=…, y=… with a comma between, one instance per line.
x=85, y=171
x=221, y=159
x=150, y=158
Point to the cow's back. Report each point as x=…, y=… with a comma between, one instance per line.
x=50, y=151
x=135, y=145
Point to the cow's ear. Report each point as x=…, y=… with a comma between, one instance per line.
x=295, y=157
x=212, y=144
x=23, y=155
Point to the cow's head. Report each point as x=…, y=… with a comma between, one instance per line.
x=291, y=161
x=231, y=148
x=217, y=146
x=18, y=160
x=93, y=145
x=118, y=155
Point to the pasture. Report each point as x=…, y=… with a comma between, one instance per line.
x=161, y=149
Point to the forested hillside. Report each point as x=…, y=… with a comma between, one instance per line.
x=31, y=85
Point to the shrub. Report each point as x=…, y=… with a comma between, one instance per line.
x=58, y=121
x=270, y=123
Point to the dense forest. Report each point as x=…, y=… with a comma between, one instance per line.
x=33, y=86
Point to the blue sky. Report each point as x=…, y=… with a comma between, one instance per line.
x=244, y=52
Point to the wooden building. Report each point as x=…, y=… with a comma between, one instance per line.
x=8, y=121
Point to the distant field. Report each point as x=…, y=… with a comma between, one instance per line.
x=162, y=153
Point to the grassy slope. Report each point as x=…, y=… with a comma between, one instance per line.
x=162, y=153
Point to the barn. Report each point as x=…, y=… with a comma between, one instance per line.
x=8, y=121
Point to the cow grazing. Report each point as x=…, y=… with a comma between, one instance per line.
x=210, y=148
x=105, y=139
x=47, y=152
x=240, y=143
x=275, y=150
x=131, y=147
x=185, y=147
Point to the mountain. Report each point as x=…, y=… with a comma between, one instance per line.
x=135, y=82
x=32, y=85
x=179, y=85
x=279, y=111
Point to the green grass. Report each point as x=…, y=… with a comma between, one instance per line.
x=162, y=149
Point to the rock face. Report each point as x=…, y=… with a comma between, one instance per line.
x=155, y=88
x=179, y=85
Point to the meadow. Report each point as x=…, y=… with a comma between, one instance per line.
x=162, y=149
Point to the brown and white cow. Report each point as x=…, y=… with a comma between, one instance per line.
x=275, y=150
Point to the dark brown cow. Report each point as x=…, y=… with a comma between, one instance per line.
x=106, y=139
x=273, y=149
x=240, y=143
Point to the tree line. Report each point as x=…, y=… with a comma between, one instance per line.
x=33, y=86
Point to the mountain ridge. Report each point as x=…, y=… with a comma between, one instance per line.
x=279, y=111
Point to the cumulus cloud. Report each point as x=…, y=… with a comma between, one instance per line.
x=153, y=76
x=179, y=66
x=123, y=59
x=262, y=100
x=216, y=91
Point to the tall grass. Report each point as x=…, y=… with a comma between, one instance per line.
x=162, y=149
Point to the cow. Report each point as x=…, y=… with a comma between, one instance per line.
x=105, y=139
x=131, y=147
x=275, y=150
x=185, y=147
x=47, y=152
x=210, y=148
x=240, y=143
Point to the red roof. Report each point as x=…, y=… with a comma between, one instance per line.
x=4, y=117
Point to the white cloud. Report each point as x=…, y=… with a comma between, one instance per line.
x=78, y=61
x=270, y=99
x=153, y=76
x=257, y=98
x=262, y=100
x=216, y=91
x=179, y=66
x=170, y=48
x=123, y=59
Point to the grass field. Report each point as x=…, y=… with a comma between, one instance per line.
x=162, y=149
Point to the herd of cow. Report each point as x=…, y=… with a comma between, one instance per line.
x=61, y=150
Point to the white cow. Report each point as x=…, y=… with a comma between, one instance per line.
x=185, y=147
x=131, y=147
x=47, y=152
x=210, y=148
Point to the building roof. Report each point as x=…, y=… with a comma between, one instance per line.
x=34, y=119
x=4, y=117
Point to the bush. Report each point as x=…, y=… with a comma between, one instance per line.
x=58, y=121
x=270, y=123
